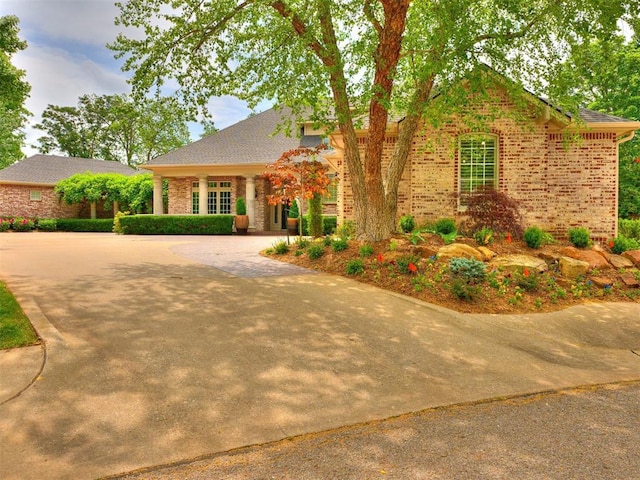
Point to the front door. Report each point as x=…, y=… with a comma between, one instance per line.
x=278, y=219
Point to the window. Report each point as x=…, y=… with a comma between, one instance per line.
x=477, y=156
x=35, y=195
x=218, y=198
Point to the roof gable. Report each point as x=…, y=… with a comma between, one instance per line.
x=250, y=141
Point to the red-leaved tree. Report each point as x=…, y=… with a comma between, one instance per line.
x=298, y=173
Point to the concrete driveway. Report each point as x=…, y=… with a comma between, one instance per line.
x=159, y=349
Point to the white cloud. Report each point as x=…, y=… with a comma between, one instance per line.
x=86, y=21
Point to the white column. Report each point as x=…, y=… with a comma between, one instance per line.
x=116, y=208
x=250, y=197
x=158, y=201
x=203, y=189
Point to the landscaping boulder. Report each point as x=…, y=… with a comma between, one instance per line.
x=487, y=254
x=630, y=280
x=425, y=251
x=459, y=250
x=572, y=268
x=602, y=282
x=634, y=256
x=593, y=258
x=618, y=261
x=519, y=262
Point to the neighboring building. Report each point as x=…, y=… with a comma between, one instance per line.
x=26, y=187
x=563, y=171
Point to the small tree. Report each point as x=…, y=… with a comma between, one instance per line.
x=299, y=173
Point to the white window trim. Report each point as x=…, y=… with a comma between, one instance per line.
x=217, y=186
x=496, y=167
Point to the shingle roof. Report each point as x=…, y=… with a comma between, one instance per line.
x=591, y=116
x=50, y=169
x=249, y=141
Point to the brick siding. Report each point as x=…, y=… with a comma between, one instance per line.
x=558, y=184
x=15, y=201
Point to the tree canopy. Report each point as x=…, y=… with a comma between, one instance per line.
x=115, y=127
x=133, y=192
x=606, y=76
x=14, y=91
x=355, y=60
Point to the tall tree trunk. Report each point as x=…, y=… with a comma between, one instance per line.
x=379, y=222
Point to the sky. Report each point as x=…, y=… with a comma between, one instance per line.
x=66, y=58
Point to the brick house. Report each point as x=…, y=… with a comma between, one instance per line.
x=26, y=187
x=559, y=182
x=563, y=171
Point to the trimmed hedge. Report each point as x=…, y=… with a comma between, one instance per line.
x=177, y=224
x=84, y=224
x=329, y=224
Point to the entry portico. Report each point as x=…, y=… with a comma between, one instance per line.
x=207, y=176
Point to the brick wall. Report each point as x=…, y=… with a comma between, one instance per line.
x=15, y=202
x=557, y=185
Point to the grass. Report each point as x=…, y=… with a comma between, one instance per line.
x=15, y=329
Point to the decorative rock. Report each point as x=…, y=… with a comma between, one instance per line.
x=549, y=257
x=594, y=259
x=634, y=256
x=629, y=280
x=515, y=262
x=618, y=261
x=425, y=252
x=572, y=268
x=487, y=254
x=602, y=282
x=459, y=250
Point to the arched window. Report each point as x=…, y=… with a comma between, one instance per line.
x=477, y=163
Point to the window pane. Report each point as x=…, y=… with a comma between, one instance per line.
x=195, y=202
x=225, y=203
x=477, y=163
x=212, y=205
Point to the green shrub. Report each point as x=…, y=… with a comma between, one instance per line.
x=241, y=206
x=526, y=280
x=22, y=224
x=355, y=267
x=629, y=228
x=533, y=237
x=621, y=244
x=47, y=225
x=339, y=244
x=315, y=251
x=463, y=291
x=468, y=269
x=177, y=224
x=484, y=236
x=580, y=237
x=294, y=212
x=347, y=230
x=328, y=224
x=5, y=224
x=366, y=250
x=281, y=247
x=326, y=241
x=315, y=216
x=84, y=224
x=445, y=226
x=302, y=243
x=407, y=223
